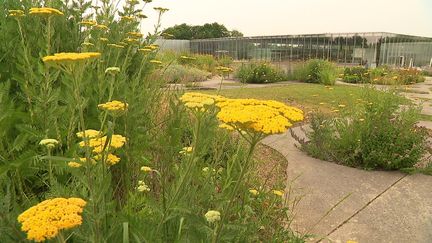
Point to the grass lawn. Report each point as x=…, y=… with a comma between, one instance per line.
x=308, y=97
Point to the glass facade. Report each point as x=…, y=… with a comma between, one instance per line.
x=370, y=48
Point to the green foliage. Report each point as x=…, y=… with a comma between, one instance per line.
x=317, y=71
x=356, y=75
x=190, y=32
x=182, y=74
x=383, y=75
x=373, y=134
x=259, y=73
x=39, y=101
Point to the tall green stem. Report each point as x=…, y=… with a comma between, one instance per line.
x=227, y=209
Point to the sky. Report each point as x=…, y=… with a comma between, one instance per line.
x=283, y=17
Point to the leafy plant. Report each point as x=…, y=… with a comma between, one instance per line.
x=259, y=73
x=317, y=71
x=374, y=134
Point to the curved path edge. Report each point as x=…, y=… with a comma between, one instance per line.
x=379, y=206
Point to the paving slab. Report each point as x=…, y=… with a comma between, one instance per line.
x=403, y=214
x=322, y=185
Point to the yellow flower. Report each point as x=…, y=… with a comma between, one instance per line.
x=114, y=105
x=258, y=116
x=111, y=159
x=341, y=106
x=131, y=40
x=142, y=187
x=278, y=192
x=155, y=62
x=224, y=69
x=70, y=57
x=116, y=46
x=46, y=219
x=103, y=39
x=45, y=11
x=152, y=47
x=127, y=18
x=90, y=133
x=146, y=169
x=74, y=164
x=16, y=13
x=254, y=192
x=322, y=103
x=101, y=27
x=186, y=150
x=49, y=143
x=212, y=216
x=145, y=50
x=88, y=22
x=361, y=119
x=226, y=126
x=112, y=70
x=351, y=241
x=135, y=34
x=101, y=144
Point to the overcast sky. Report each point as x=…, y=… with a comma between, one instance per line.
x=279, y=17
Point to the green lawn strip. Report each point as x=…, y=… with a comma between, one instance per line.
x=305, y=96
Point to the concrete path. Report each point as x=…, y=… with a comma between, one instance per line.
x=340, y=203
x=214, y=83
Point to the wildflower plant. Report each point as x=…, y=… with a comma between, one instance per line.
x=83, y=75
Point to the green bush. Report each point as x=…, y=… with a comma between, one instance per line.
x=356, y=75
x=259, y=73
x=374, y=134
x=317, y=71
x=182, y=74
x=383, y=75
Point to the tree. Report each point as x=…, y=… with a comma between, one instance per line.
x=190, y=32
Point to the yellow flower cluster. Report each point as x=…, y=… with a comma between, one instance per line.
x=247, y=115
x=68, y=57
x=101, y=27
x=135, y=34
x=258, y=116
x=98, y=144
x=224, y=69
x=88, y=22
x=90, y=133
x=156, y=62
x=127, y=18
x=46, y=219
x=114, y=105
x=116, y=46
x=16, y=13
x=200, y=102
x=152, y=47
x=45, y=11
x=145, y=50
x=111, y=159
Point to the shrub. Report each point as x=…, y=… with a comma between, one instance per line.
x=356, y=75
x=374, y=134
x=317, y=71
x=259, y=73
x=182, y=74
x=383, y=75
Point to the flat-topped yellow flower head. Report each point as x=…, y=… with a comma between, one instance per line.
x=199, y=101
x=89, y=133
x=70, y=57
x=102, y=144
x=114, y=105
x=161, y=10
x=264, y=117
x=88, y=23
x=46, y=219
x=16, y=13
x=45, y=11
